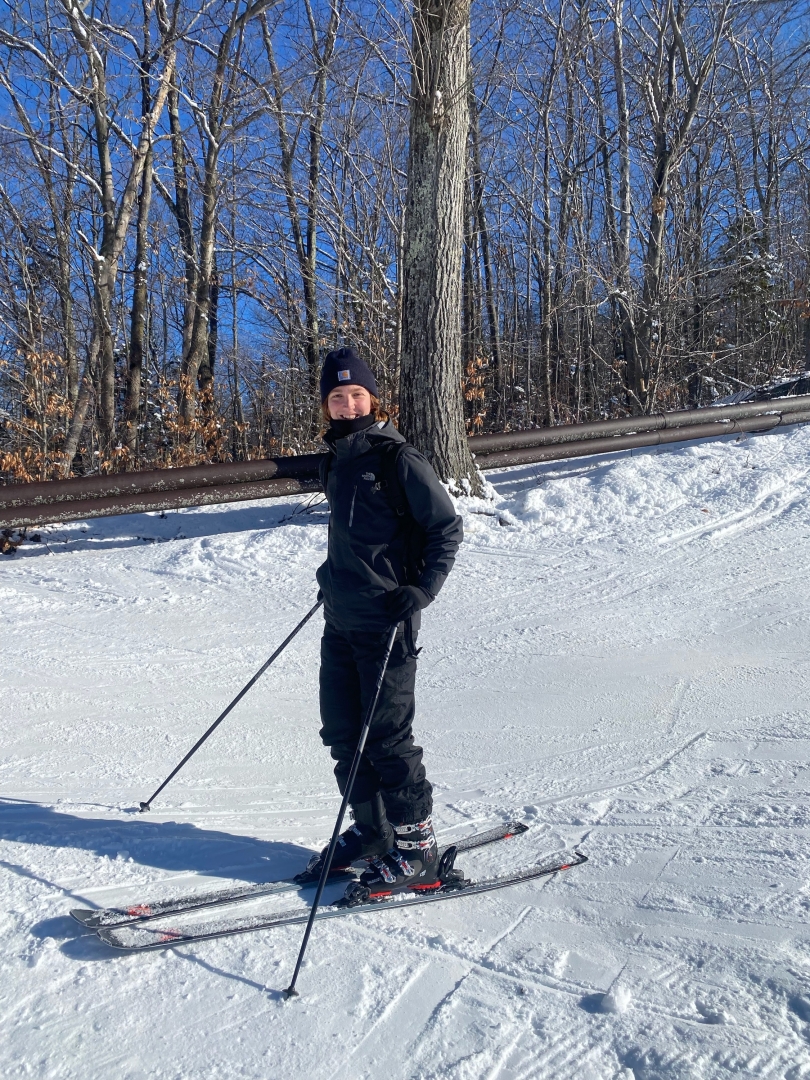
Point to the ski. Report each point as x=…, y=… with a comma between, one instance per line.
x=140, y=937
x=96, y=919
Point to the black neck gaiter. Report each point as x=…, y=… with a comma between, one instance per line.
x=341, y=428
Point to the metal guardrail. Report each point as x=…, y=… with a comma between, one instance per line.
x=301, y=468
x=140, y=503
x=54, y=501
x=512, y=440
x=614, y=443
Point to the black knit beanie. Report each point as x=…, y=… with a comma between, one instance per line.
x=343, y=367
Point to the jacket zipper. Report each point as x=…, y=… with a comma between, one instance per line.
x=351, y=511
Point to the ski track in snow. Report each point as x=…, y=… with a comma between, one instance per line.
x=620, y=659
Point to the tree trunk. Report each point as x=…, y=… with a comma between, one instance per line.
x=545, y=280
x=489, y=277
x=469, y=337
x=431, y=394
x=205, y=376
x=624, y=285
x=650, y=336
x=182, y=210
x=192, y=369
x=68, y=325
x=137, y=333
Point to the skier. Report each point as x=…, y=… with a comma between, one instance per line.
x=393, y=537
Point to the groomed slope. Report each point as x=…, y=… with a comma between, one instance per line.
x=621, y=659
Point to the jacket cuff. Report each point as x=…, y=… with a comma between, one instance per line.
x=432, y=582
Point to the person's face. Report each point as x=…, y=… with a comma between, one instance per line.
x=348, y=402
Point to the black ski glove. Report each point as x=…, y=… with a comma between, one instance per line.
x=405, y=601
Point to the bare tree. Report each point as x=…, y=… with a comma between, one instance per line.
x=304, y=227
x=677, y=79
x=115, y=208
x=214, y=118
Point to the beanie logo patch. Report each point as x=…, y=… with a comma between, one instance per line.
x=344, y=376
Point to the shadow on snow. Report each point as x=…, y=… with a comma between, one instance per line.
x=168, y=845
x=137, y=530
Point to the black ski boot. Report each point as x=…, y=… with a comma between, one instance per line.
x=369, y=836
x=412, y=864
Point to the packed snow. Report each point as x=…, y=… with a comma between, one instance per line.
x=620, y=659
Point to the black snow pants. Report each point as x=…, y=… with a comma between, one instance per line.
x=391, y=763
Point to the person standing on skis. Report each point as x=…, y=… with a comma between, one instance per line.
x=393, y=538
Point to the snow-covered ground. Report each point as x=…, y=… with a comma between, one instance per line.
x=620, y=659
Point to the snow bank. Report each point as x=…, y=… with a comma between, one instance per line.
x=646, y=496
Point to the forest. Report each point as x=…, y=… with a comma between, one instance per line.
x=198, y=200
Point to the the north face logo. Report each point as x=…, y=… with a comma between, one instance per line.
x=344, y=376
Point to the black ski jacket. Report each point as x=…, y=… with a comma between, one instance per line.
x=373, y=548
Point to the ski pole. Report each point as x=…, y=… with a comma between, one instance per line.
x=327, y=866
x=144, y=806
